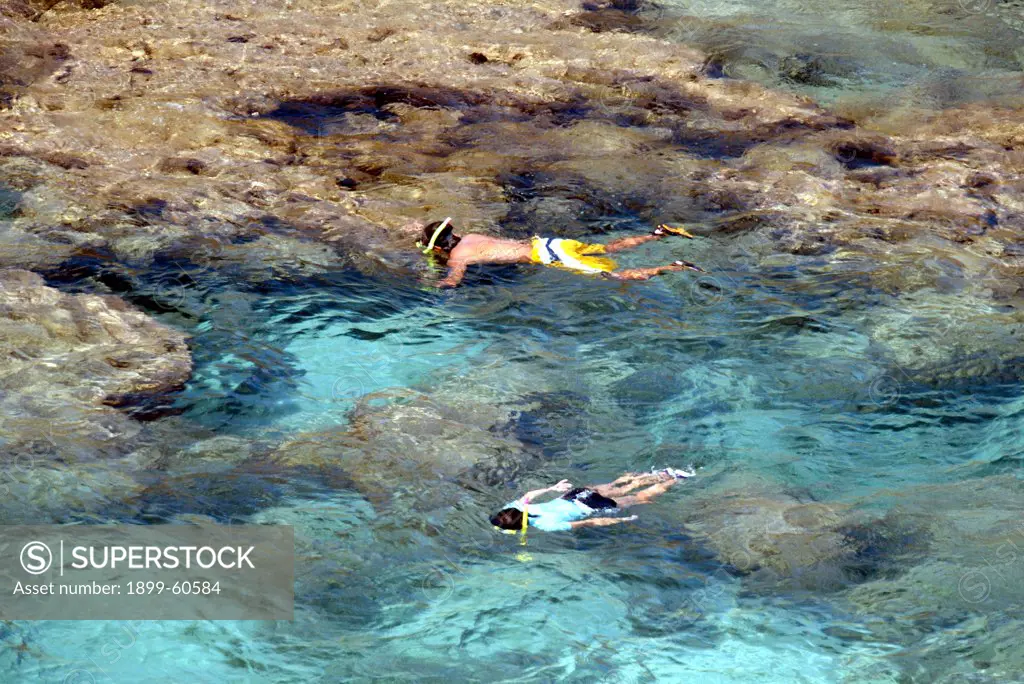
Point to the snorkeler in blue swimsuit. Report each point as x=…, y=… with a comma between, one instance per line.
x=577, y=506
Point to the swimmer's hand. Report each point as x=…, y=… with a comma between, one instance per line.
x=562, y=486
x=456, y=272
x=600, y=522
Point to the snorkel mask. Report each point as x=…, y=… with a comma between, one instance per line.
x=433, y=238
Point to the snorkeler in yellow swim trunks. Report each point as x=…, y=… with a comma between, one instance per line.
x=439, y=239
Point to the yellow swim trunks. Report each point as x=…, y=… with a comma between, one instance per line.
x=570, y=254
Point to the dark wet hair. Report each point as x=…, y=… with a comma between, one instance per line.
x=508, y=519
x=446, y=240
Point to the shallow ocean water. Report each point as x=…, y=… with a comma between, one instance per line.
x=762, y=374
x=931, y=54
x=773, y=375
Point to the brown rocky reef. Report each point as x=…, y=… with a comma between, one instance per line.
x=77, y=373
x=87, y=349
x=348, y=119
x=131, y=131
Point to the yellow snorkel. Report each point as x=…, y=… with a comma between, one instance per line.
x=433, y=238
x=522, y=556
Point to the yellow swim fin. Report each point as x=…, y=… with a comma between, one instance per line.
x=672, y=230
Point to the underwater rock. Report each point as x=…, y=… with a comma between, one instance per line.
x=649, y=389
x=931, y=337
x=495, y=436
x=27, y=53
x=804, y=69
x=48, y=427
x=952, y=608
x=605, y=20
x=219, y=453
x=69, y=461
x=334, y=537
x=548, y=424
x=276, y=257
x=92, y=349
x=776, y=540
x=392, y=449
x=226, y=496
x=976, y=608
x=36, y=493
x=751, y=533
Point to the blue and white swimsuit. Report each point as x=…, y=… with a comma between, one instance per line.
x=559, y=514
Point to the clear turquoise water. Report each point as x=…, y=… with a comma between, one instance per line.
x=758, y=371
x=772, y=373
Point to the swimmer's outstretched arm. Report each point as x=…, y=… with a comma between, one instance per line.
x=600, y=522
x=528, y=497
x=456, y=272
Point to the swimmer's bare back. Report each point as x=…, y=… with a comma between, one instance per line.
x=482, y=249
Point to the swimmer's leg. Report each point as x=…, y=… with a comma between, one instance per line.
x=646, y=496
x=663, y=230
x=629, y=242
x=627, y=483
x=627, y=478
x=616, y=485
x=648, y=273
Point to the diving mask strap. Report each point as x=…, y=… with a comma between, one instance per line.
x=433, y=238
